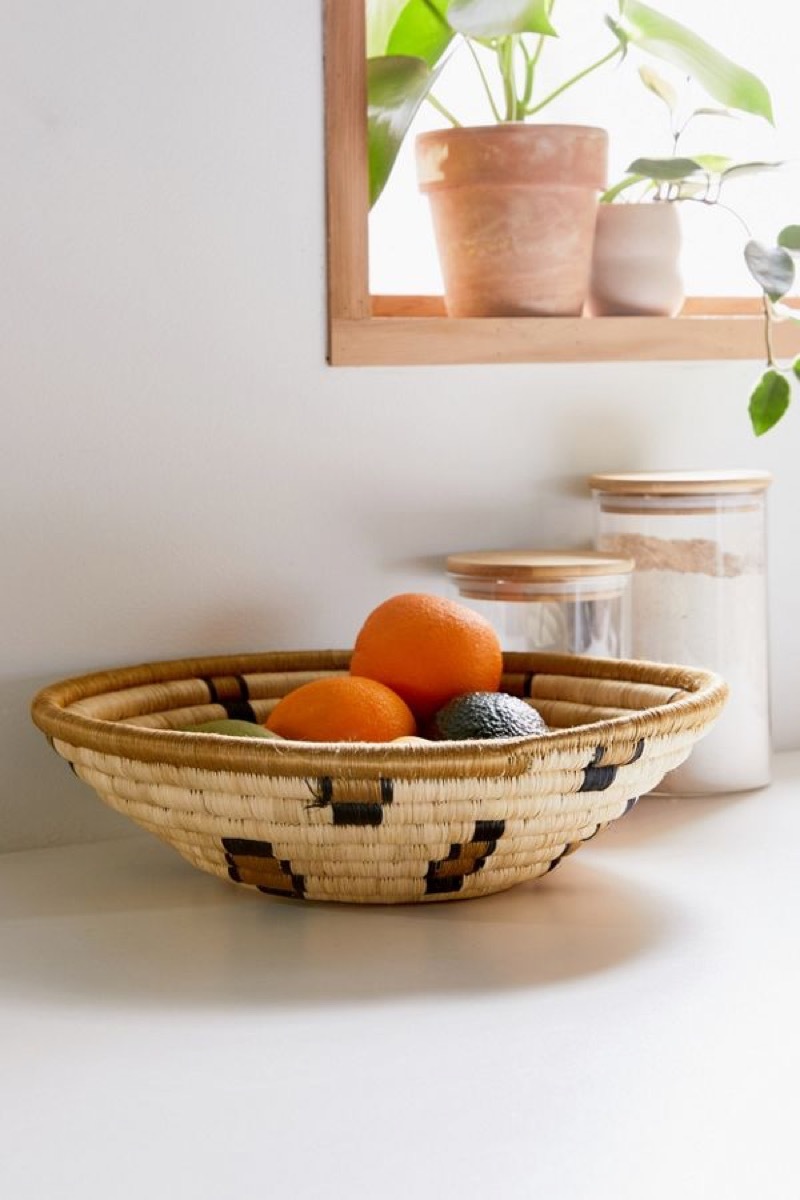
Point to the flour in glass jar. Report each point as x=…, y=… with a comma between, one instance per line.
x=695, y=604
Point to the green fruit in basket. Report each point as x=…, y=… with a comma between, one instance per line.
x=487, y=715
x=233, y=728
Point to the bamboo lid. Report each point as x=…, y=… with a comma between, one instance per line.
x=680, y=483
x=536, y=566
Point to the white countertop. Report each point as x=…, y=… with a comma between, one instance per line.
x=627, y=1027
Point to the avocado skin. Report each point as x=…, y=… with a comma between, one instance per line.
x=479, y=715
x=232, y=728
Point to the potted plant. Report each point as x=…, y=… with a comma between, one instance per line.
x=636, y=258
x=635, y=265
x=513, y=202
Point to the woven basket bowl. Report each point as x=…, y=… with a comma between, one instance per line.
x=374, y=823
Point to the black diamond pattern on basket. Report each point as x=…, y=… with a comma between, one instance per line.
x=600, y=773
x=353, y=801
x=232, y=692
x=465, y=858
x=255, y=863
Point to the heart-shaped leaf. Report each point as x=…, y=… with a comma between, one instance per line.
x=396, y=86
x=381, y=17
x=789, y=238
x=500, y=18
x=740, y=170
x=713, y=112
x=664, y=169
x=659, y=87
x=714, y=164
x=619, y=32
x=772, y=268
x=421, y=31
x=689, y=190
x=629, y=181
x=769, y=401
x=724, y=80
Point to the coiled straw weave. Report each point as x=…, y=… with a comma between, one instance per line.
x=374, y=823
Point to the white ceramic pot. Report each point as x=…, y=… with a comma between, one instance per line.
x=636, y=261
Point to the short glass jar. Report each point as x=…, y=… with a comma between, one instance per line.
x=565, y=602
x=699, y=598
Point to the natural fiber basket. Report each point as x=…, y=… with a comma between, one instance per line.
x=374, y=823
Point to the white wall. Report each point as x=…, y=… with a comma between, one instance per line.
x=182, y=472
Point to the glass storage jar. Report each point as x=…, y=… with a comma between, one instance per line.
x=567, y=602
x=699, y=598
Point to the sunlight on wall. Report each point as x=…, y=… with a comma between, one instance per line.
x=402, y=250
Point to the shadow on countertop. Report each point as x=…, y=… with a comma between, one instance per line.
x=127, y=923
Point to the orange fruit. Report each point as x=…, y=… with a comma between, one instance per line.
x=342, y=708
x=428, y=649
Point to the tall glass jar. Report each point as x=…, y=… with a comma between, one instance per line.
x=699, y=598
x=569, y=602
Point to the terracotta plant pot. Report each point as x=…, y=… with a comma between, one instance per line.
x=636, y=262
x=514, y=209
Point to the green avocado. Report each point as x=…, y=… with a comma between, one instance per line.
x=233, y=728
x=487, y=715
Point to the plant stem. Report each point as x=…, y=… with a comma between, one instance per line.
x=440, y=108
x=484, y=80
x=768, y=331
x=678, y=133
x=576, y=79
x=717, y=203
x=537, y=54
x=505, y=57
x=532, y=62
x=527, y=90
x=726, y=207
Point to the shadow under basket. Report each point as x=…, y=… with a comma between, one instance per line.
x=374, y=823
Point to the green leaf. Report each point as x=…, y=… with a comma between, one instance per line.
x=690, y=190
x=789, y=238
x=723, y=79
x=769, y=401
x=500, y=18
x=772, y=267
x=421, y=31
x=714, y=164
x=396, y=86
x=630, y=180
x=713, y=112
x=659, y=87
x=740, y=170
x=664, y=169
x=381, y=18
x=618, y=31
x=796, y=367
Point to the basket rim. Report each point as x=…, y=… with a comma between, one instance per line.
x=51, y=713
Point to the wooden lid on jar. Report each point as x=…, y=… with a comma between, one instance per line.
x=537, y=566
x=680, y=483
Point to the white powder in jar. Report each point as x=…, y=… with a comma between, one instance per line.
x=693, y=606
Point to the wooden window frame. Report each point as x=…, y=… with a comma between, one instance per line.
x=367, y=330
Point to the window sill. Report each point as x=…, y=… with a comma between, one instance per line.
x=409, y=330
